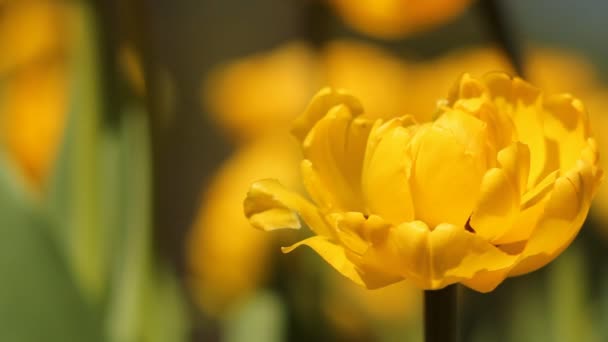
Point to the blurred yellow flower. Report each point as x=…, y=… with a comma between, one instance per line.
x=396, y=18
x=237, y=94
x=33, y=114
x=33, y=84
x=290, y=75
x=29, y=31
x=496, y=186
x=228, y=260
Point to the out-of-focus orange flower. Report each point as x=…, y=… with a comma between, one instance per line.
x=396, y=18
x=34, y=83
x=289, y=75
x=33, y=114
x=379, y=79
x=236, y=94
x=227, y=258
x=30, y=30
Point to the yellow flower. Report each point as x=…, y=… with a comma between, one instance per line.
x=292, y=68
x=497, y=185
x=395, y=18
x=273, y=87
x=228, y=260
x=30, y=30
x=33, y=128
x=33, y=84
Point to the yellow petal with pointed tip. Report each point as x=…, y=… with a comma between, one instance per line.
x=269, y=205
x=336, y=256
x=320, y=104
x=386, y=172
x=449, y=163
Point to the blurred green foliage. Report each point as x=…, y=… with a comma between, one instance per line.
x=78, y=264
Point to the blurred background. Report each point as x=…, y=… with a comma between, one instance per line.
x=130, y=131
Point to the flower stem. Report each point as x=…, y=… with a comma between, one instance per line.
x=441, y=315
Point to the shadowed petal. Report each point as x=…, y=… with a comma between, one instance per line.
x=269, y=206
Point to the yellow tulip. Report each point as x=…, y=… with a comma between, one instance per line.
x=497, y=185
x=395, y=18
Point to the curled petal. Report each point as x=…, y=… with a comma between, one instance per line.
x=499, y=202
x=497, y=207
x=269, y=206
x=565, y=121
x=465, y=262
x=386, y=171
x=337, y=257
x=357, y=232
x=449, y=159
x=320, y=104
x=335, y=148
x=564, y=215
x=443, y=256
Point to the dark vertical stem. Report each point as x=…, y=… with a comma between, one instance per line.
x=441, y=315
x=500, y=27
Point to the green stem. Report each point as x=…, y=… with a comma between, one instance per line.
x=441, y=315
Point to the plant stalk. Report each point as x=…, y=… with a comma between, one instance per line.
x=441, y=315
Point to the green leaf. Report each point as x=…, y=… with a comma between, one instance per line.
x=39, y=300
x=260, y=319
x=74, y=197
x=134, y=254
x=165, y=309
x=569, y=306
x=146, y=301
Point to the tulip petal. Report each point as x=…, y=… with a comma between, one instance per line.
x=515, y=160
x=269, y=206
x=403, y=252
x=523, y=103
x=320, y=104
x=443, y=256
x=335, y=148
x=336, y=256
x=471, y=256
x=565, y=121
x=500, y=197
x=348, y=227
x=356, y=231
x=386, y=172
x=449, y=163
x=564, y=215
x=498, y=204
x=333, y=254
